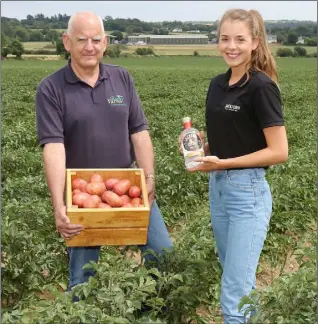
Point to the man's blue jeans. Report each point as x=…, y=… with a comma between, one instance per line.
x=241, y=206
x=158, y=238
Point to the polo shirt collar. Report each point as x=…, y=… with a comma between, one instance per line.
x=224, y=81
x=71, y=77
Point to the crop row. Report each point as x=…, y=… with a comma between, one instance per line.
x=33, y=255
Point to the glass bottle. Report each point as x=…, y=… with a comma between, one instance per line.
x=192, y=144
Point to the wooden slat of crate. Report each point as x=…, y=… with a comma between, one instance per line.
x=115, y=236
x=116, y=217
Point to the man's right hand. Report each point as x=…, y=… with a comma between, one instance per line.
x=64, y=226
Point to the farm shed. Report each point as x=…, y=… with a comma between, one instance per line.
x=169, y=39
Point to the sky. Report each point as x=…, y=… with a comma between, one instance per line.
x=162, y=10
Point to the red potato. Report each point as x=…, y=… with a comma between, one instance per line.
x=125, y=198
x=95, y=188
x=90, y=202
x=96, y=178
x=110, y=183
x=79, y=198
x=136, y=202
x=112, y=199
x=103, y=205
x=79, y=183
x=134, y=192
x=121, y=187
x=75, y=191
x=97, y=199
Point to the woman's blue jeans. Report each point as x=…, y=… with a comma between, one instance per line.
x=241, y=206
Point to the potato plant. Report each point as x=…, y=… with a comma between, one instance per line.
x=34, y=258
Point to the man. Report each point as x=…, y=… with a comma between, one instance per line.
x=89, y=116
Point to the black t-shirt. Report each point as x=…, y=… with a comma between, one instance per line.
x=236, y=115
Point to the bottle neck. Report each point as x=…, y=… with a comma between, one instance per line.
x=187, y=124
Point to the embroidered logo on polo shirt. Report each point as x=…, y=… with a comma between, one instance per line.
x=116, y=101
x=232, y=107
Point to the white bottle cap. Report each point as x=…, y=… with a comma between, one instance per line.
x=186, y=119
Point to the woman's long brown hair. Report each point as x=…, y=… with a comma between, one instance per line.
x=261, y=58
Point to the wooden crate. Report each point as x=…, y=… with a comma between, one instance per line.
x=114, y=226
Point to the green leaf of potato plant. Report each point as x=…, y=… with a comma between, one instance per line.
x=123, y=290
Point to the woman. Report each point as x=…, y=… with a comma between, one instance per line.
x=246, y=134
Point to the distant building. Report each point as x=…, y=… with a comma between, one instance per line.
x=177, y=30
x=271, y=38
x=110, y=39
x=169, y=39
x=141, y=43
x=300, y=40
x=193, y=31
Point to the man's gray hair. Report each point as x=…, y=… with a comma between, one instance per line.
x=71, y=20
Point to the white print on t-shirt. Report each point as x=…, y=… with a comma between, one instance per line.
x=232, y=107
x=116, y=100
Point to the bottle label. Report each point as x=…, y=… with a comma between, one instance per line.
x=192, y=142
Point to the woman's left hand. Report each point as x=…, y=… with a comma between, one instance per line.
x=208, y=163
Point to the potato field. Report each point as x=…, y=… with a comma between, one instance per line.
x=185, y=288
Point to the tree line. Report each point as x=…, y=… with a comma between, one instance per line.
x=39, y=28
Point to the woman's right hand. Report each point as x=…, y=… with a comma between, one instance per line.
x=206, y=147
x=180, y=144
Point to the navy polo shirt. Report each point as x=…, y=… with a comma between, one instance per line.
x=236, y=115
x=95, y=124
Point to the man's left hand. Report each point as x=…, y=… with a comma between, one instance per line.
x=150, y=183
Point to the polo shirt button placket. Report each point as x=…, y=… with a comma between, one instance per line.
x=94, y=97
